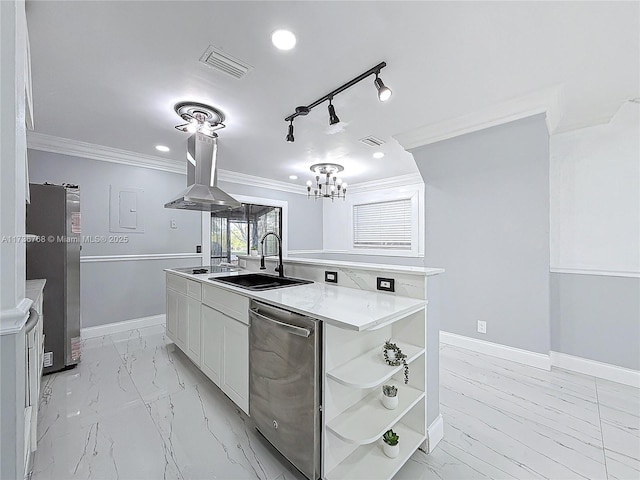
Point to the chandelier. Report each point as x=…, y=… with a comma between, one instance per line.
x=199, y=117
x=327, y=184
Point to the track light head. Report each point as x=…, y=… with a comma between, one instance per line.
x=290, y=138
x=333, y=118
x=384, y=93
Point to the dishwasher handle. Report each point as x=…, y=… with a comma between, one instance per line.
x=301, y=332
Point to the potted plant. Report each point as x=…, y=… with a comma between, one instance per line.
x=389, y=397
x=254, y=251
x=390, y=446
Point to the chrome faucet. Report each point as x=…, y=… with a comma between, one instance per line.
x=280, y=267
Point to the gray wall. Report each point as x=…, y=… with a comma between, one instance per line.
x=487, y=225
x=113, y=291
x=305, y=216
x=135, y=289
x=596, y=317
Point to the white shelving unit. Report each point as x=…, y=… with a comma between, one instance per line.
x=367, y=420
x=369, y=369
x=355, y=418
x=368, y=462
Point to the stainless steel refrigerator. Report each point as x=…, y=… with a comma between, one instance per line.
x=53, y=215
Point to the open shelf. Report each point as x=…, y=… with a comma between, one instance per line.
x=370, y=370
x=369, y=462
x=367, y=420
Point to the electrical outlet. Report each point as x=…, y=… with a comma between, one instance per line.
x=482, y=326
x=386, y=284
x=331, y=277
x=173, y=224
x=198, y=248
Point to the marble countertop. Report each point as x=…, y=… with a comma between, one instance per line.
x=343, y=307
x=426, y=271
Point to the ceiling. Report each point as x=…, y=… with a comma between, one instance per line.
x=109, y=73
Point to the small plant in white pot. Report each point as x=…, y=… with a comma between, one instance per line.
x=390, y=446
x=389, y=397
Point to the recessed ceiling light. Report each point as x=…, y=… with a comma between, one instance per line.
x=293, y=177
x=283, y=39
x=378, y=155
x=162, y=148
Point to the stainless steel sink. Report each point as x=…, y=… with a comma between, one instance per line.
x=260, y=281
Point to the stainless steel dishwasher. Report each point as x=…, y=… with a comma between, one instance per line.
x=284, y=383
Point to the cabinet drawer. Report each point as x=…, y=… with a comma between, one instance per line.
x=231, y=304
x=194, y=289
x=177, y=283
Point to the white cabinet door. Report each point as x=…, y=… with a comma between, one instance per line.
x=194, y=342
x=235, y=362
x=177, y=318
x=181, y=324
x=172, y=313
x=211, y=358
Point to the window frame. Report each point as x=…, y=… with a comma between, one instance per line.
x=414, y=193
x=269, y=202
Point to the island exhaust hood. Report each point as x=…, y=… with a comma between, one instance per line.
x=202, y=193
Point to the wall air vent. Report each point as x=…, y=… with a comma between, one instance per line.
x=224, y=62
x=372, y=141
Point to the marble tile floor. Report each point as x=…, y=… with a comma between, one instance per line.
x=136, y=408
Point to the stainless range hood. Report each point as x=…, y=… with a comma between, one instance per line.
x=202, y=192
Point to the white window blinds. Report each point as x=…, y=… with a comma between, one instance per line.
x=383, y=225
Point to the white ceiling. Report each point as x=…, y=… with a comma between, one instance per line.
x=109, y=73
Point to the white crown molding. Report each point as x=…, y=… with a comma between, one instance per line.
x=128, y=258
x=253, y=181
x=76, y=148
x=389, y=182
x=125, y=326
x=594, y=271
x=543, y=101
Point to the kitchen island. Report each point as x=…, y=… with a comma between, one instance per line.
x=209, y=321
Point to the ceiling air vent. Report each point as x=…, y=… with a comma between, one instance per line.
x=224, y=62
x=372, y=141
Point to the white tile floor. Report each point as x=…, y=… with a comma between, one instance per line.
x=136, y=408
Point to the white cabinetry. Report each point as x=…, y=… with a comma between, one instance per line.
x=211, y=326
x=225, y=343
x=183, y=315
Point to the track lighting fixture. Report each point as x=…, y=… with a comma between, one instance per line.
x=290, y=138
x=384, y=93
x=333, y=118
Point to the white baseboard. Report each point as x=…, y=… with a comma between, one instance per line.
x=117, y=327
x=585, y=366
x=538, y=360
x=435, y=433
x=606, y=371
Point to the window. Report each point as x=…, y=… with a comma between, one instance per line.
x=238, y=231
x=383, y=225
